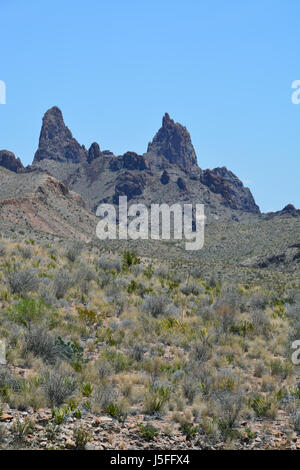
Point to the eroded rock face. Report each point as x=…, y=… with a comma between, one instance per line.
x=56, y=140
x=128, y=161
x=94, y=152
x=224, y=182
x=129, y=185
x=9, y=161
x=172, y=144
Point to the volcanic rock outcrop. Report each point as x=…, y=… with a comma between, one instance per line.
x=168, y=172
x=56, y=140
x=172, y=144
x=9, y=161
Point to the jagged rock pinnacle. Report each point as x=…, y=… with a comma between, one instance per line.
x=172, y=144
x=56, y=140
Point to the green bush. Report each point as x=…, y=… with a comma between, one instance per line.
x=27, y=311
x=81, y=436
x=148, y=431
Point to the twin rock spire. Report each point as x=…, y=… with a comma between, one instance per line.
x=171, y=144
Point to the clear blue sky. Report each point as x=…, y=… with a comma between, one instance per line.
x=223, y=68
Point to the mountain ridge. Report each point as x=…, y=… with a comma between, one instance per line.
x=100, y=176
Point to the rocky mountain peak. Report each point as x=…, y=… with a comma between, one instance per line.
x=167, y=120
x=9, y=161
x=289, y=208
x=56, y=141
x=94, y=152
x=172, y=145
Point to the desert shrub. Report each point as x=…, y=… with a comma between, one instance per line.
x=136, y=287
x=188, y=429
x=2, y=249
x=9, y=382
x=105, y=279
x=147, y=431
x=81, y=436
x=115, y=410
x=83, y=276
x=242, y=328
x=226, y=380
x=138, y=269
x=122, y=282
x=112, y=292
x=196, y=272
x=73, y=250
x=58, y=415
x=296, y=419
x=86, y=389
x=87, y=315
x=104, y=394
x=172, y=311
x=154, y=304
x=156, y=398
x=41, y=343
x=294, y=313
x=58, y=386
x=62, y=281
x=21, y=428
x=259, y=301
x=209, y=428
x=129, y=259
x=281, y=368
x=25, y=252
x=46, y=293
x=104, y=369
x=27, y=311
x=109, y=264
x=161, y=272
x=200, y=351
x=261, y=322
x=225, y=315
x=188, y=289
x=213, y=282
x=84, y=272
x=21, y=282
x=229, y=296
x=51, y=432
x=190, y=388
x=263, y=406
x=229, y=406
x=117, y=360
x=138, y=351
x=204, y=377
x=259, y=370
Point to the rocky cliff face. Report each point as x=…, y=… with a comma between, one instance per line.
x=172, y=144
x=9, y=161
x=224, y=182
x=56, y=140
